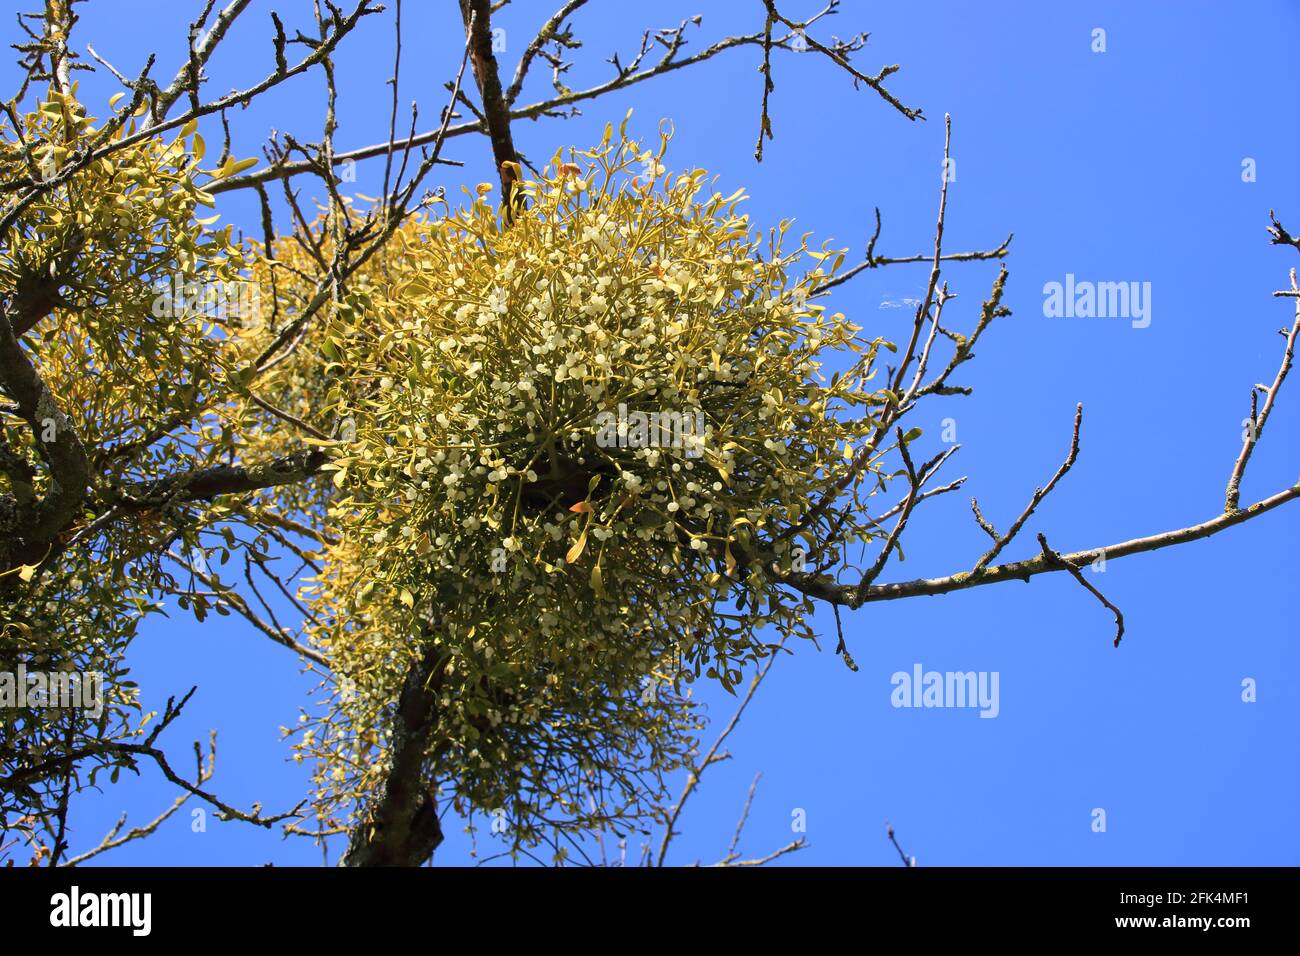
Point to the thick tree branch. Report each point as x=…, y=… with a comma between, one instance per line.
x=477, y=15
x=191, y=74
x=59, y=20
x=54, y=435
x=204, y=484
x=403, y=828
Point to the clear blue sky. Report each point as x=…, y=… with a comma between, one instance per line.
x=1117, y=166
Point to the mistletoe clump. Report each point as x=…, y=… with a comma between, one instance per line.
x=116, y=269
x=565, y=435
x=119, y=285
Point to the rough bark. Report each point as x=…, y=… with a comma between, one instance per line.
x=477, y=15
x=403, y=827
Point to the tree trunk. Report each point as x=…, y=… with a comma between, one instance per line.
x=403, y=827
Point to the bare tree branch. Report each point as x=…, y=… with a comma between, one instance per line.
x=112, y=840
x=623, y=79
x=1078, y=576
x=1259, y=417
x=827, y=589
x=711, y=757
x=907, y=860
